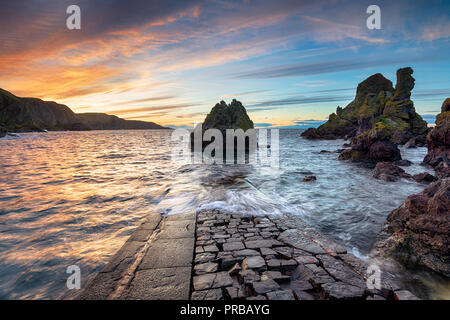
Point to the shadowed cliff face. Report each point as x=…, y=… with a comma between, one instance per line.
x=232, y=116
x=438, y=141
x=31, y=114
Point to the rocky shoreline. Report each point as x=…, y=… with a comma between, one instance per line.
x=215, y=255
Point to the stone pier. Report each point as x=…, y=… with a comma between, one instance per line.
x=221, y=256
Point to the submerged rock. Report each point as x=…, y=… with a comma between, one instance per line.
x=417, y=233
x=309, y=178
x=389, y=172
x=424, y=177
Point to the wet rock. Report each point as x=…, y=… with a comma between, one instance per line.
x=309, y=178
x=262, y=287
x=403, y=163
x=248, y=276
x=389, y=172
x=306, y=260
x=424, y=177
x=284, y=252
x=281, y=295
x=418, y=232
x=411, y=144
x=438, y=142
x=293, y=238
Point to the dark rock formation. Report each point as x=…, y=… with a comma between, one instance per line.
x=424, y=177
x=438, y=141
x=376, y=103
x=389, y=172
x=403, y=163
x=309, y=178
x=379, y=118
x=418, y=232
x=227, y=116
x=103, y=121
x=31, y=114
x=3, y=132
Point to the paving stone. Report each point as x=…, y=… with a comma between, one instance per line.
x=341, y=271
x=288, y=265
x=306, y=260
x=295, y=239
x=274, y=264
x=340, y=290
x=248, y=276
x=211, y=248
x=169, y=253
x=375, y=297
x=405, y=295
x=284, y=252
x=255, y=263
x=262, y=287
x=245, y=253
x=213, y=294
x=301, y=285
x=276, y=276
x=301, y=273
x=161, y=284
x=203, y=268
x=235, y=269
x=316, y=269
x=233, y=246
x=229, y=262
x=204, y=281
x=267, y=252
x=205, y=257
x=319, y=279
x=302, y=295
x=281, y=295
x=235, y=293
x=176, y=229
x=257, y=298
x=256, y=244
x=199, y=249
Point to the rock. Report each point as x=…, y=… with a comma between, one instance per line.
x=389, y=172
x=275, y=275
x=306, y=260
x=245, y=253
x=377, y=107
x=438, y=141
x=211, y=248
x=248, y=276
x=226, y=116
x=212, y=281
x=204, y=257
x=3, y=132
x=235, y=293
x=417, y=233
x=281, y=295
x=424, y=177
x=295, y=239
x=203, y=268
x=256, y=244
x=300, y=285
x=262, y=287
x=405, y=295
x=267, y=252
x=309, y=178
x=255, y=263
x=233, y=246
x=411, y=144
x=340, y=290
x=402, y=163
x=213, y=294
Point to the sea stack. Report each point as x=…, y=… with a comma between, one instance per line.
x=379, y=118
x=225, y=116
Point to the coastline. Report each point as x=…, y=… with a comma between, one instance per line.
x=215, y=255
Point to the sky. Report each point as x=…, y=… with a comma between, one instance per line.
x=291, y=63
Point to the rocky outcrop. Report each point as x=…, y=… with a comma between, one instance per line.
x=424, y=177
x=438, y=141
x=3, y=132
x=389, y=172
x=225, y=116
x=379, y=118
x=102, y=121
x=417, y=233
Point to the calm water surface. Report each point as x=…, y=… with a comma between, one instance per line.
x=73, y=198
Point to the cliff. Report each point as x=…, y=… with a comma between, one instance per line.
x=103, y=121
x=32, y=114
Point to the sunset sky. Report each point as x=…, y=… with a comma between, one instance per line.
x=291, y=63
